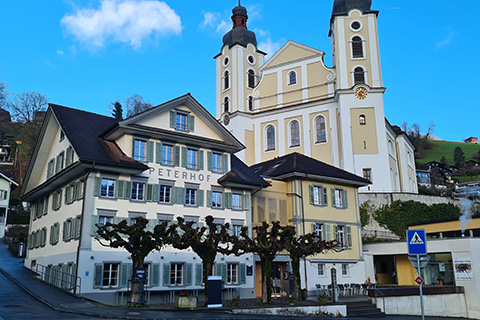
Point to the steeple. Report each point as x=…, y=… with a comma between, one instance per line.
x=342, y=7
x=239, y=33
x=239, y=16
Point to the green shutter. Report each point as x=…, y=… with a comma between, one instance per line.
x=335, y=232
x=125, y=274
x=325, y=196
x=73, y=228
x=242, y=273
x=166, y=274
x=149, y=192
x=128, y=190
x=158, y=152
x=178, y=195
x=133, y=147
x=191, y=123
x=176, y=156
x=201, y=198
x=96, y=186
x=156, y=192
x=332, y=190
x=228, y=200
x=349, y=237
x=155, y=275
x=328, y=232
x=198, y=274
x=188, y=276
x=52, y=228
x=345, y=198
x=67, y=189
x=60, y=199
x=314, y=227
x=150, y=150
x=223, y=271
x=312, y=197
x=200, y=160
x=184, y=157
x=246, y=201
x=57, y=232
x=93, y=229
x=209, y=161
x=65, y=233
x=225, y=163
x=120, y=191
x=209, y=198
x=224, y=200
x=98, y=275
x=173, y=118
x=54, y=200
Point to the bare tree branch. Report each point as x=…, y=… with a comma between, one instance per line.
x=24, y=105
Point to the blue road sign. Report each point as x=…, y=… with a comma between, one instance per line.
x=417, y=241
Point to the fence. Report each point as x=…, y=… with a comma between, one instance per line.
x=59, y=278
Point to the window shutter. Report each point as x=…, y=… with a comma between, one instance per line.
x=246, y=201
x=126, y=274
x=314, y=227
x=332, y=190
x=191, y=123
x=98, y=275
x=156, y=193
x=120, y=191
x=184, y=157
x=225, y=163
x=158, y=152
x=328, y=232
x=76, y=185
x=65, y=232
x=128, y=190
x=155, y=275
x=52, y=234
x=45, y=205
x=221, y=270
x=312, y=198
x=150, y=151
x=242, y=273
x=225, y=200
x=93, y=229
x=345, y=198
x=228, y=201
x=188, y=277
x=166, y=274
x=176, y=156
x=349, y=237
x=209, y=161
x=209, y=198
x=200, y=198
x=57, y=232
x=179, y=195
x=198, y=274
x=200, y=160
x=173, y=118
x=335, y=232
x=67, y=191
x=96, y=186
x=149, y=192
x=133, y=147
x=325, y=196
x=73, y=228
x=59, y=199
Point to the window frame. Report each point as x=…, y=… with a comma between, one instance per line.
x=357, y=47
x=226, y=104
x=345, y=270
x=238, y=207
x=367, y=174
x=320, y=230
x=179, y=124
x=317, y=123
x=193, y=192
x=341, y=235
x=219, y=168
x=166, y=160
x=174, y=272
x=137, y=151
x=251, y=78
x=356, y=74
x=291, y=134
x=233, y=273
x=321, y=269
x=136, y=191
x=362, y=120
x=107, y=191
x=339, y=198
x=192, y=152
x=292, y=78
x=270, y=145
x=217, y=203
x=250, y=103
x=110, y=278
x=170, y=193
x=226, y=80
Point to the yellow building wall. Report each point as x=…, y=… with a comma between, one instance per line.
x=291, y=53
x=292, y=94
x=321, y=151
x=364, y=137
x=268, y=91
x=288, y=148
x=317, y=81
x=250, y=147
x=272, y=204
x=406, y=274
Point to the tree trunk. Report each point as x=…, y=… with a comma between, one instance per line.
x=296, y=278
x=266, y=267
x=136, y=285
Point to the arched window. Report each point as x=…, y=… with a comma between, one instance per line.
x=251, y=78
x=320, y=129
x=270, y=138
x=226, y=80
x=294, y=134
x=362, y=119
x=250, y=103
x=226, y=104
x=292, y=78
x=359, y=75
x=357, y=47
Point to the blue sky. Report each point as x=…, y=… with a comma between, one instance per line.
x=86, y=54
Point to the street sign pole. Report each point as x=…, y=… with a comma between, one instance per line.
x=420, y=285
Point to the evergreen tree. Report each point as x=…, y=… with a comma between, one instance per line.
x=117, y=110
x=444, y=161
x=459, y=157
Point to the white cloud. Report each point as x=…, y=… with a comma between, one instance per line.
x=445, y=42
x=270, y=47
x=209, y=19
x=60, y=52
x=127, y=21
x=224, y=27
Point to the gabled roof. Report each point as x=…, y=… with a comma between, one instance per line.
x=242, y=175
x=4, y=176
x=309, y=53
x=298, y=165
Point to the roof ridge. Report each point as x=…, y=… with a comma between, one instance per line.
x=54, y=106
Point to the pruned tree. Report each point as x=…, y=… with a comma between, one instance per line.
x=299, y=247
x=136, y=104
x=24, y=105
x=117, y=110
x=137, y=240
x=3, y=94
x=206, y=241
x=459, y=157
x=266, y=243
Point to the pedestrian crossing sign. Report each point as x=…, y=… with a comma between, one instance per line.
x=416, y=241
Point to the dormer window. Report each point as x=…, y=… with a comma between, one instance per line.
x=292, y=78
x=182, y=120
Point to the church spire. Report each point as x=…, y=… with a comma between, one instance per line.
x=239, y=16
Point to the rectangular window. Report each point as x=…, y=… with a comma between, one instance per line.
x=232, y=273
x=107, y=188
x=192, y=158
x=217, y=199
x=237, y=230
x=176, y=274
x=345, y=269
x=57, y=200
x=318, y=195
x=110, y=275
x=140, y=150
x=321, y=269
x=237, y=201
x=102, y=220
x=60, y=162
x=190, y=196
x=165, y=194
x=341, y=236
x=367, y=174
x=138, y=191
x=319, y=230
x=216, y=162
x=181, y=122
x=167, y=155
x=50, y=168
x=339, y=197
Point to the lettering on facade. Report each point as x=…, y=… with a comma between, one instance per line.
x=184, y=175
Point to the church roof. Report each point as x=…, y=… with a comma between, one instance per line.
x=343, y=7
x=239, y=33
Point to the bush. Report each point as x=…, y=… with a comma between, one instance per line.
x=471, y=173
x=18, y=219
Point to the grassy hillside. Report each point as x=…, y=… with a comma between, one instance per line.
x=446, y=148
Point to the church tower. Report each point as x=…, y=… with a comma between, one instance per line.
x=238, y=65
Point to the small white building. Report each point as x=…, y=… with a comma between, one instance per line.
x=6, y=186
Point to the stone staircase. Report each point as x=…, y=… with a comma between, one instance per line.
x=361, y=307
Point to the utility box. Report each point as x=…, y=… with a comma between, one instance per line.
x=214, y=292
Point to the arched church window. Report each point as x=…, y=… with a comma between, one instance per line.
x=357, y=47
x=226, y=104
x=320, y=129
x=362, y=119
x=292, y=78
x=270, y=138
x=294, y=134
x=250, y=103
x=226, y=80
x=251, y=78
x=359, y=75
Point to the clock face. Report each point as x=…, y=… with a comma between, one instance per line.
x=226, y=120
x=361, y=93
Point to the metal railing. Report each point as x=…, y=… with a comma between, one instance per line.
x=58, y=278
x=383, y=297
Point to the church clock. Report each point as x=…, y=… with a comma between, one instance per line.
x=361, y=93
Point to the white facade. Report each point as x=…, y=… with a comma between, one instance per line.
x=6, y=185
